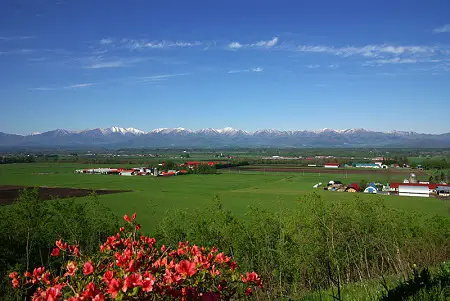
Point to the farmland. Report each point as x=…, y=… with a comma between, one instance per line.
x=153, y=197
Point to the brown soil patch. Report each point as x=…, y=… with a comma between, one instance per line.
x=9, y=193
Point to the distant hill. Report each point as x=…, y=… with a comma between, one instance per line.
x=117, y=137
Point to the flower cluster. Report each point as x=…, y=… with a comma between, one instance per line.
x=132, y=267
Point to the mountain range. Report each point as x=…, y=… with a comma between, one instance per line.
x=118, y=137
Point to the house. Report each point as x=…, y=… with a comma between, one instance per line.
x=417, y=189
x=331, y=165
x=367, y=165
x=353, y=187
x=443, y=190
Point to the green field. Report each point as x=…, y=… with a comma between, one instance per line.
x=153, y=197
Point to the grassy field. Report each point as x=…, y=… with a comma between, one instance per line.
x=153, y=197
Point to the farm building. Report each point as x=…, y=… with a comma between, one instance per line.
x=370, y=189
x=331, y=165
x=353, y=187
x=443, y=190
x=367, y=165
x=417, y=189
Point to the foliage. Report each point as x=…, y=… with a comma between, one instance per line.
x=132, y=267
x=422, y=285
x=17, y=159
x=204, y=169
x=317, y=245
x=30, y=227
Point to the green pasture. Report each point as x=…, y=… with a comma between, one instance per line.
x=153, y=197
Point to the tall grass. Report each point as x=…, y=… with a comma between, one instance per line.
x=316, y=246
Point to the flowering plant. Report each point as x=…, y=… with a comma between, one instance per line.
x=132, y=267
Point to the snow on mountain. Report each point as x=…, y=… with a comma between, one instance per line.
x=226, y=137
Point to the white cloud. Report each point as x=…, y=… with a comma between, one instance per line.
x=106, y=41
x=442, y=29
x=16, y=38
x=154, y=78
x=42, y=89
x=257, y=69
x=313, y=66
x=269, y=43
x=333, y=66
x=367, y=50
x=259, y=44
x=111, y=64
x=79, y=86
x=235, y=45
x=143, y=44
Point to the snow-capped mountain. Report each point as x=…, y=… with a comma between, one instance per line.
x=227, y=137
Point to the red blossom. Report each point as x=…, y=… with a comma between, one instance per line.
x=114, y=287
x=127, y=218
x=248, y=292
x=61, y=245
x=108, y=276
x=127, y=263
x=133, y=217
x=71, y=269
x=186, y=268
x=56, y=252
x=88, y=268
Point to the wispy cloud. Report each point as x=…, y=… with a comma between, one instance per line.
x=160, y=77
x=367, y=50
x=333, y=66
x=110, y=64
x=313, y=66
x=260, y=44
x=16, y=51
x=76, y=86
x=42, y=89
x=106, y=41
x=442, y=29
x=257, y=69
x=16, y=38
x=140, y=44
x=235, y=45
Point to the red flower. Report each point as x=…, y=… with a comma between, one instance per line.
x=61, y=245
x=90, y=290
x=56, y=252
x=51, y=294
x=133, y=216
x=233, y=265
x=138, y=227
x=221, y=258
x=99, y=297
x=108, y=276
x=114, y=287
x=121, y=229
x=127, y=218
x=88, y=268
x=186, y=268
x=71, y=269
x=15, y=283
x=248, y=292
x=149, y=280
x=13, y=275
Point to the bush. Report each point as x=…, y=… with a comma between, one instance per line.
x=31, y=226
x=317, y=245
x=131, y=267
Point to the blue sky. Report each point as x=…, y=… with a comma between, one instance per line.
x=380, y=65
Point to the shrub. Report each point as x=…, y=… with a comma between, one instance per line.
x=130, y=267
